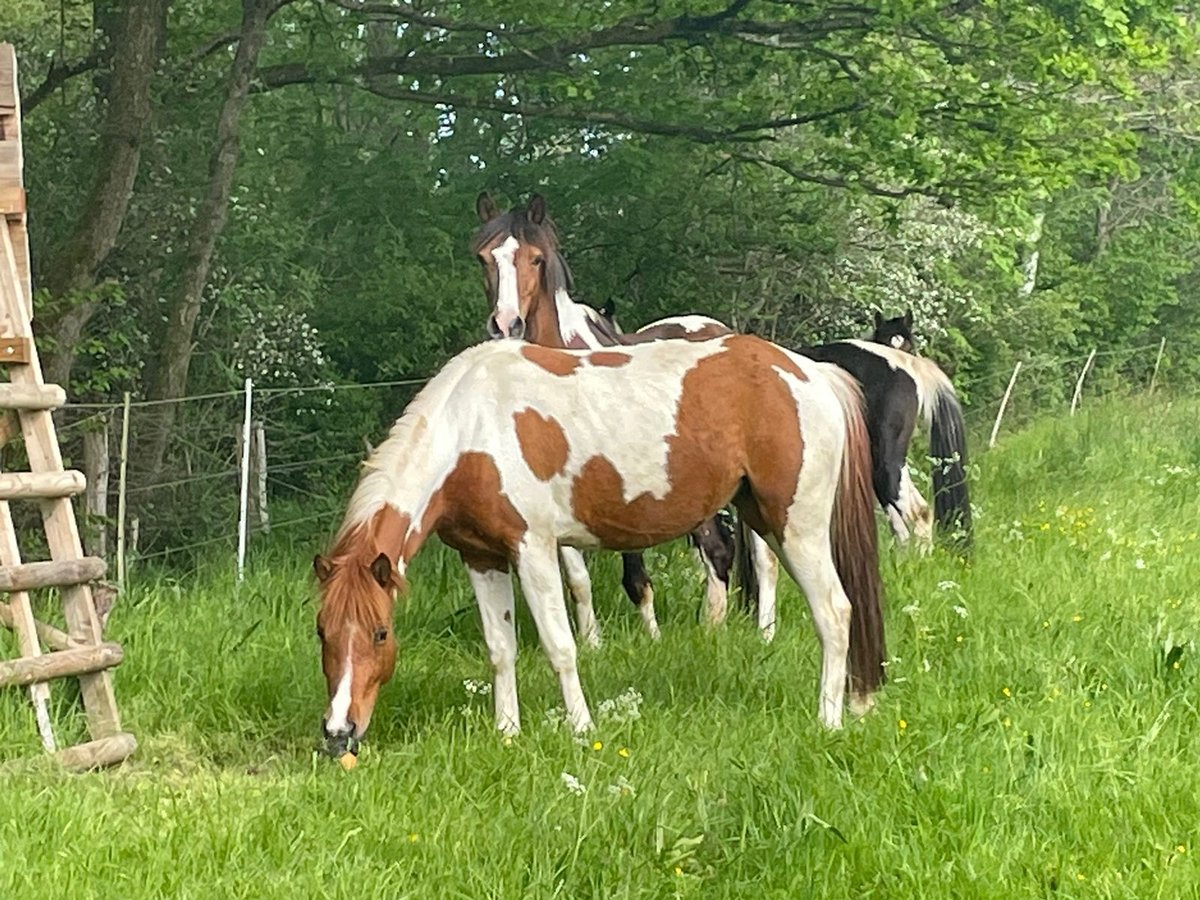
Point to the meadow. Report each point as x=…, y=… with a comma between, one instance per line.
x=1037, y=737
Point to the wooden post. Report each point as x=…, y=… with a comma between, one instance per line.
x=245, y=494
x=258, y=441
x=1079, y=384
x=1158, y=359
x=95, y=470
x=121, y=484
x=1004, y=404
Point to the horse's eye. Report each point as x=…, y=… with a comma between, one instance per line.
x=539, y=261
x=320, y=633
x=381, y=635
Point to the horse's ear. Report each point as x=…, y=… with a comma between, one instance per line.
x=381, y=570
x=322, y=568
x=485, y=207
x=878, y=320
x=908, y=318
x=536, y=211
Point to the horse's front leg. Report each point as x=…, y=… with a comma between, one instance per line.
x=537, y=568
x=494, y=594
x=580, y=583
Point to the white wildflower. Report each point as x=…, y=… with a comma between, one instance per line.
x=573, y=784
x=622, y=788
x=961, y=610
x=947, y=586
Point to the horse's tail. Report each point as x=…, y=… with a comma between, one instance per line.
x=947, y=449
x=856, y=542
x=743, y=565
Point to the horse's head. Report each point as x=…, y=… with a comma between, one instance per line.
x=522, y=265
x=895, y=332
x=358, y=648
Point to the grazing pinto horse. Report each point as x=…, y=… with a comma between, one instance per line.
x=527, y=281
x=514, y=449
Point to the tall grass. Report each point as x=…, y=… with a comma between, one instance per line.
x=1037, y=737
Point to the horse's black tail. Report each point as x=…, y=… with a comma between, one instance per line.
x=743, y=567
x=948, y=449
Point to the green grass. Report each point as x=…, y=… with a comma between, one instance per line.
x=1038, y=736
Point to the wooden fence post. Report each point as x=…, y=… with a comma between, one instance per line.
x=1004, y=404
x=258, y=466
x=95, y=470
x=1079, y=384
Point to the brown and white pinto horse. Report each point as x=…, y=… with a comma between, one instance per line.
x=514, y=449
x=527, y=283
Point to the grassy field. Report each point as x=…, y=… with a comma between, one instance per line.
x=1038, y=737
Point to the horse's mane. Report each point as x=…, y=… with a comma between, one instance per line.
x=543, y=234
x=377, y=484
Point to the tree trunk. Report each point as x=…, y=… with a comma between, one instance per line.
x=134, y=41
x=175, y=351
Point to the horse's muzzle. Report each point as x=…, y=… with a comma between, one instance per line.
x=515, y=328
x=339, y=742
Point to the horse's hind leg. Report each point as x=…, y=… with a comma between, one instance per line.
x=766, y=566
x=807, y=555
x=916, y=510
x=542, y=585
x=714, y=545
x=580, y=583
x=638, y=586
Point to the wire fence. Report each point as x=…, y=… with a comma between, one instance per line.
x=175, y=482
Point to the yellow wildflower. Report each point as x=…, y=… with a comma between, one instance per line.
x=623, y=753
x=902, y=724
x=598, y=745
x=413, y=837
x=1006, y=692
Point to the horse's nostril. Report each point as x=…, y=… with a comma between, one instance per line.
x=493, y=328
x=517, y=328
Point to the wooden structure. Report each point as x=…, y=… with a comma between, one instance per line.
x=26, y=402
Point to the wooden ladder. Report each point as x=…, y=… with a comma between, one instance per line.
x=26, y=402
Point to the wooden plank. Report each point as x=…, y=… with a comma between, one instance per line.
x=31, y=396
x=58, y=516
x=10, y=163
x=8, y=76
x=21, y=620
x=60, y=664
x=12, y=200
x=31, y=576
x=14, y=351
x=98, y=754
x=41, y=485
x=50, y=636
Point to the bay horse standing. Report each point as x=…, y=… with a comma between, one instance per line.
x=527, y=283
x=514, y=449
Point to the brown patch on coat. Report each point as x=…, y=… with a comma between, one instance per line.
x=471, y=513
x=609, y=358
x=543, y=443
x=555, y=362
x=719, y=440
